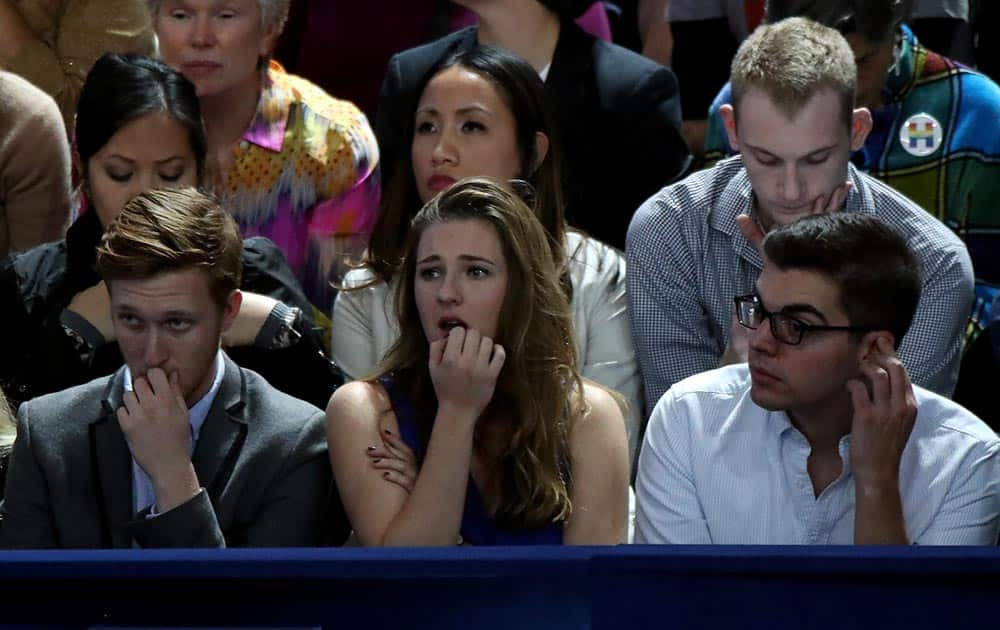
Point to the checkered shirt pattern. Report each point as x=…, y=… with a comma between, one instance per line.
x=687, y=259
x=959, y=182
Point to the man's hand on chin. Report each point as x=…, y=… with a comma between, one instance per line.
x=155, y=421
x=754, y=232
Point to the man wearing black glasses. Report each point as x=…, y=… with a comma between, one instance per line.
x=821, y=438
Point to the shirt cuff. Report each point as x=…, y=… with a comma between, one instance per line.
x=278, y=330
x=153, y=512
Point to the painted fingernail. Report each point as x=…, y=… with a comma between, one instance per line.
x=385, y=475
x=387, y=431
x=377, y=460
x=371, y=448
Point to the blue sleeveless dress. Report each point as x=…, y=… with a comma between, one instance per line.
x=478, y=528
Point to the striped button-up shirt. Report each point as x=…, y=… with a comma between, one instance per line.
x=716, y=468
x=687, y=259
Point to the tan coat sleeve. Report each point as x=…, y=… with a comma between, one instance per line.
x=34, y=167
x=69, y=43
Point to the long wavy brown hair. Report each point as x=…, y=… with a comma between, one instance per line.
x=539, y=392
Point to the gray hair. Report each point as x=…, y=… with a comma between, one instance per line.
x=272, y=12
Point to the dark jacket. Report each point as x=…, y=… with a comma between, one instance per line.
x=617, y=117
x=261, y=457
x=38, y=357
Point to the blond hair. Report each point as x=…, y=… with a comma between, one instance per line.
x=173, y=230
x=791, y=61
x=539, y=392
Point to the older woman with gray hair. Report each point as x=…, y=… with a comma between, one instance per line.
x=291, y=162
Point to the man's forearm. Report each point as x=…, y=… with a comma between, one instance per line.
x=14, y=32
x=878, y=514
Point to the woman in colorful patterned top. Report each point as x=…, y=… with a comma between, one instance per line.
x=501, y=441
x=292, y=163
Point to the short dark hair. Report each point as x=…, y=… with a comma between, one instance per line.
x=168, y=230
x=123, y=88
x=875, y=20
x=877, y=273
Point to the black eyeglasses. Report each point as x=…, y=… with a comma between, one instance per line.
x=785, y=328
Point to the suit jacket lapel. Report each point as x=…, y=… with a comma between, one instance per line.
x=223, y=433
x=112, y=462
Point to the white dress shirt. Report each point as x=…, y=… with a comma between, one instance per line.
x=716, y=468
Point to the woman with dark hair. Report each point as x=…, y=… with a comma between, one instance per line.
x=482, y=113
x=617, y=113
x=139, y=128
x=500, y=440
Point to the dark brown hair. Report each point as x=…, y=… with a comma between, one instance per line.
x=172, y=230
x=876, y=272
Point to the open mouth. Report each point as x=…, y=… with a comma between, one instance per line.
x=447, y=323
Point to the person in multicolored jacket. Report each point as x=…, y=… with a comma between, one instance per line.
x=291, y=162
x=934, y=136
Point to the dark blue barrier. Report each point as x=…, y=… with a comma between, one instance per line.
x=622, y=588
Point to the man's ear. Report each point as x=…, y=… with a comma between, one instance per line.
x=861, y=125
x=541, y=150
x=729, y=122
x=232, y=309
x=869, y=344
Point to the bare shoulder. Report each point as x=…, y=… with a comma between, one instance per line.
x=602, y=405
x=357, y=402
x=602, y=417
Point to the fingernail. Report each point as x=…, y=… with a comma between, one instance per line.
x=371, y=448
x=377, y=460
x=385, y=475
x=387, y=431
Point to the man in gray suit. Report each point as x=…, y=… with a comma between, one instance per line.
x=180, y=447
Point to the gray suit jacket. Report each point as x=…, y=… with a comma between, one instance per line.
x=261, y=457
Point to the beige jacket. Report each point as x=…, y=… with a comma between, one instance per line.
x=73, y=34
x=34, y=167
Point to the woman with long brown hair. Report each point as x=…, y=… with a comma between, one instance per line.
x=480, y=395
x=482, y=113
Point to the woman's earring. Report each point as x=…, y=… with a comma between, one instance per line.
x=524, y=190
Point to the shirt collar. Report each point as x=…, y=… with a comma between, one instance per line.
x=198, y=411
x=267, y=129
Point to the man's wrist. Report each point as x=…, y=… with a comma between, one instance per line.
x=175, y=488
x=875, y=487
